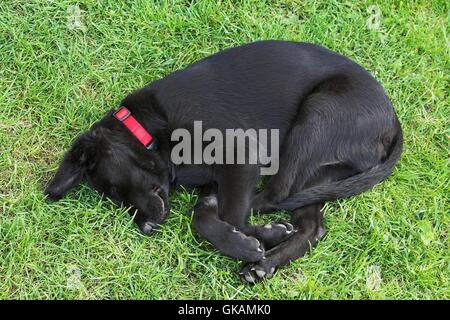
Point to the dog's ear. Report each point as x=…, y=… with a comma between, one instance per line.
x=81, y=156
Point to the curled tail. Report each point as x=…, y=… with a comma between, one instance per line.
x=347, y=187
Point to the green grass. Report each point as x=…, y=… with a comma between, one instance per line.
x=389, y=243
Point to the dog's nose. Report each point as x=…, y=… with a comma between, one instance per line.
x=148, y=228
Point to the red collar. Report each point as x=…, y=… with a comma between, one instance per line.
x=124, y=116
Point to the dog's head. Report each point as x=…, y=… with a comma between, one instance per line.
x=108, y=159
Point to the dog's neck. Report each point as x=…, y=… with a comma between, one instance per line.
x=146, y=109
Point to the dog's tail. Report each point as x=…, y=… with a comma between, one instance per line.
x=347, y=187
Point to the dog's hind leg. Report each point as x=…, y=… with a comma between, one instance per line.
x=224, y=236
x=299, y=160
x=310, y=223
x=301, y=154
x=347, y=122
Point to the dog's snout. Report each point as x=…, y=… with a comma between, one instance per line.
x=148, y=228
x=51, y=194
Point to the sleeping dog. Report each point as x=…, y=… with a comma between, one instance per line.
x=338, y=136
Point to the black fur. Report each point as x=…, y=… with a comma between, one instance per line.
x=340, y=136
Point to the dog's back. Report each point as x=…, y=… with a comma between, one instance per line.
x=239, y=87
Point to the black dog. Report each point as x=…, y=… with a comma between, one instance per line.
x=339, y=136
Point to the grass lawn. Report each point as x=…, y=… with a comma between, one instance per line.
x=58, y=76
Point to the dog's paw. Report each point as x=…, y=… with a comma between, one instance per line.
x=274, y=233
x=253, y=273
x=246, y=248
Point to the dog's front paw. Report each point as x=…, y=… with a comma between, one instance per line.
x=274, y=233
x=253, y=273
x=246, y=248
